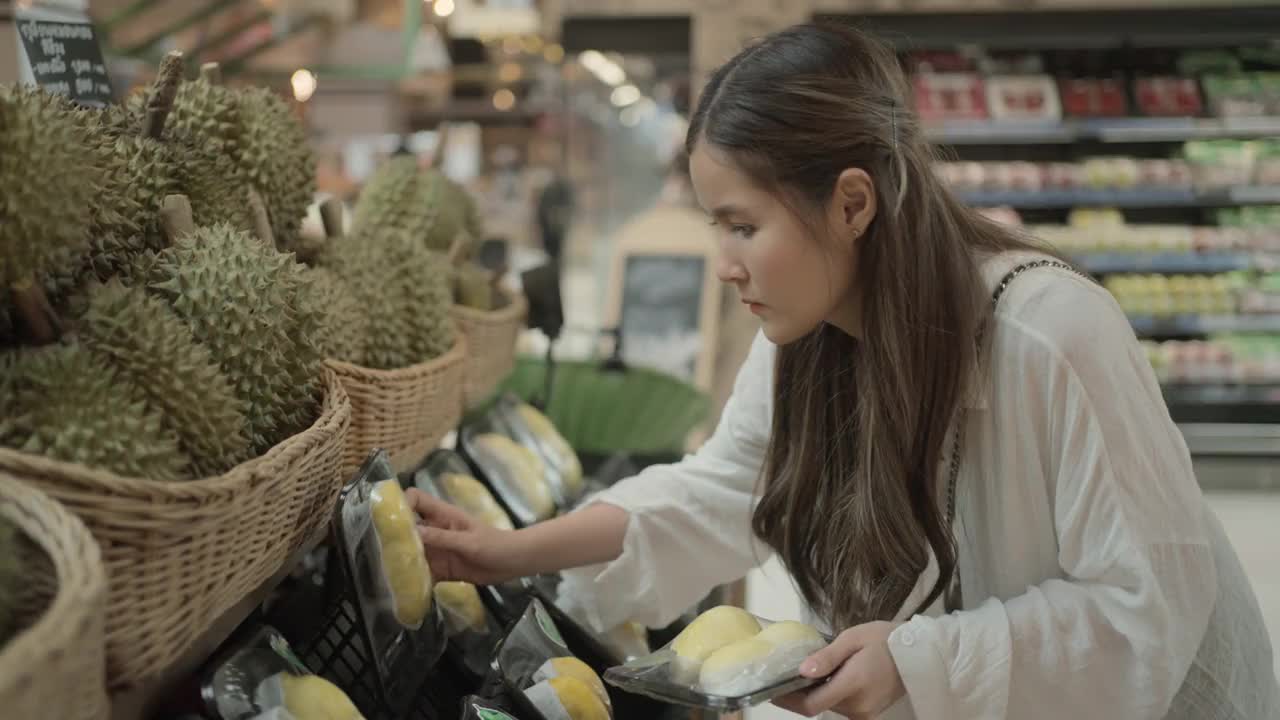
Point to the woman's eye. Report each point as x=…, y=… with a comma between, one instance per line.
x=743, y=231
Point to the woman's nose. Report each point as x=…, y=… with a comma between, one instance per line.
x=729, y=269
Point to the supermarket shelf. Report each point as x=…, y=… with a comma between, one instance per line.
x=1108, y=130
x=1103, y=263
x=1232, y=438
x=1182, y=325
x=1131, y=198
x=1214, y=394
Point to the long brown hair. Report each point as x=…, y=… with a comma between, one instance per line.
x=850, y=497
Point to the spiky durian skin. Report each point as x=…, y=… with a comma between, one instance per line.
x=397, y=198
x=404, y=290
x=247, y=303
x=473, y=288
x=210, y=114
x=10, y=577
x=456, y=215
x=343, y=335
x=277, y=159
x=46, y=185
x=148, y=344
x=71, y=405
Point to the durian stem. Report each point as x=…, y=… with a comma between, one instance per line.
x=261, y=221
x=42, y=322
x=176, y=218
x=442, y=137
x=163, y=93
x=459, y=250
x=212, y=73
x=331, y=216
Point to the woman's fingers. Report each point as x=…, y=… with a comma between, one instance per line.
x=437, y=538
x=825, y=661
x=435, y=511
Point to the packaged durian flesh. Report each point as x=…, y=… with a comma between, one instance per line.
x=536, y=430
x=447, y=476
x=726, y=660
x=517, y=474
x=259, y=678
x=389, y=580
x=548, y=681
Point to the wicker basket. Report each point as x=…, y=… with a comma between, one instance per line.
x=406, y=412
x=491, y=340
x=54, y=667
x=179, y=555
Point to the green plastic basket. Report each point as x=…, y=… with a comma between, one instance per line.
x=601, y=412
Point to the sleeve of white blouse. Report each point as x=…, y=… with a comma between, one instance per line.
x=1115, y=636
x=689, y=528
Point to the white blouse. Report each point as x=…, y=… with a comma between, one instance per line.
x=1097, y=583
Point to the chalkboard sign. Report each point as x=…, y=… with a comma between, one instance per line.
x=65, y=58
x=661, y=309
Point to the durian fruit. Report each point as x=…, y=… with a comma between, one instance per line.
x=473, y=287
x=523, y=471
x=307, y=697
x=568, y=463
x=404, y=291
x=397, y=198
x=278, y=160
x=460, y=603
x=710, y=631
x=251, y=305
x=573, y=667
x=735, y=668
x=455, y=212
x=771, y=656
x=404, y=563
x=47, y=187
x=566, y=698
x=71, y=405
x=469, y=494
x=343, y=335
x=209, y=113
x=151, y=347
x=10, y=578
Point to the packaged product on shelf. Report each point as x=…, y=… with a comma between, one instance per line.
x=1168, y=96
x=535, y=429
x=1093, y=97
x=472, y=630
x=517, y=474
x=950, y=97
x=447, y=476
x=1235, y=95
x=479, y=708
x=1026, y=98
x=261, y=679
x=532, y=662
x=386, y=568
x=1102, y=173
x=1266, y=169
x=725, y=660
x=1217, y=164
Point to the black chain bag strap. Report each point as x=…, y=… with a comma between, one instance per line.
x=953, y=597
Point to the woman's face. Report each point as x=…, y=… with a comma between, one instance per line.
x=790, y=279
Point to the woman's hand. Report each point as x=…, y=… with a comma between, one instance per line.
x=866, y=680
x=460, y=547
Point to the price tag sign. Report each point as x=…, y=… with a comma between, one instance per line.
x=64, y=58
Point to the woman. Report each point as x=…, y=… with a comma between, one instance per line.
x=968, y=472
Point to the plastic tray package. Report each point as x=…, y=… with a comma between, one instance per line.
x=254, y=679
x=522, y=660
x=517, y=474
x=405, y=634
x=725, y=660
x=535, y=430
x=473, y=632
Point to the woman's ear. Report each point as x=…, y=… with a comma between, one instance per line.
x=853, y=203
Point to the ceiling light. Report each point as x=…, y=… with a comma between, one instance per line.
x=444, y=8
x=625, y=95
x=553, y=53
x=509, y=72
x=504, y=100
x=304, y=84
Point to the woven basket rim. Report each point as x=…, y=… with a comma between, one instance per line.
x=517, y=307
x=456, y=354
x=81, y=575
x=198, y=490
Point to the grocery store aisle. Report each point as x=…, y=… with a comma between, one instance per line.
x=1250, y=520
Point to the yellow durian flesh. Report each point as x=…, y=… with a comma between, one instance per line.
x=461, y=605
x=575, y=668
x=630, y=640
x=567, y=698
x=473, y=497
x=404, y=564
x=733, y=669
x=712, y=630
x=525, y=469
x=541, y=425
x=311, y=697
x=788, y=633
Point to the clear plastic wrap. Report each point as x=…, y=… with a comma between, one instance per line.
x=725, y=660
x=446, y=475
x=535, y=430
x=517, y=474
x=478, y=708
x=532, y=663
x=261, y=679
x=384, y=563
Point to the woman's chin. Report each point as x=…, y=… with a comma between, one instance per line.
x=780, y=333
